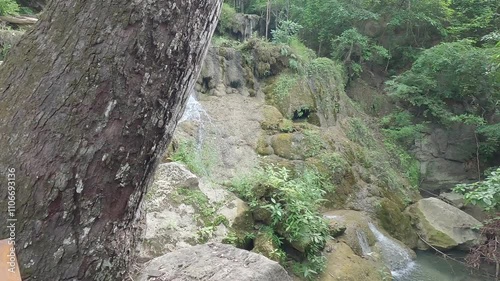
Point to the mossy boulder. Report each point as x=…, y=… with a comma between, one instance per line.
x=272, y=118
x=443, y=226
x=344, y=265
x=264, y=146
x=398, y=223
x=288, y=146
x=264, y=245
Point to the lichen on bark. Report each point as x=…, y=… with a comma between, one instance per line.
x=82, y=165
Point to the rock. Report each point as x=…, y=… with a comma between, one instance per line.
x=453, y=198
x=169, y=225
x=288, y=146
x=9, y=38
x=272, y=118
x=447, y=157
x=245, y=25
x=235, y=209
x=356, y=224
x=264, y=146
x=442, y=225
x=264, y=245
x=213, y=262
x=344, y=265
x=179, y=212
x=336, y=228
x=388, y=212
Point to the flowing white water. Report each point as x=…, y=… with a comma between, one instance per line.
x=396, y=257
x=363, y=242
x=196, y=113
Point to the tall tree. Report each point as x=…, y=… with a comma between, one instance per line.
x=89, y=100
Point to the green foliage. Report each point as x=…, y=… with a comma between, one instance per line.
x=9, y=7
x=449, y=74
x=484, y=193
x=310, y=269
x=473, y=18
x=26, y=11
x=335, y=162
x=399, y=128
x=225, y=42
x=490, y=143
x=358, y=132
x=406, y=162
x=5, y=50
x=283, y=86
x=313, y=143
x=286, y=126
x=285, y=32
x=206, y=216
x=354, y=48
x=293, y=204
x=302, y=53
x=199, y=159
x=324, y=20
x=227, y=18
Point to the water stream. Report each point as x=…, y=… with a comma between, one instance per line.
x=426, y=267
x=397, y=258
x=363, y=242
x=431, y=267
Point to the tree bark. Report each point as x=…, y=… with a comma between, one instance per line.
x=89, y=100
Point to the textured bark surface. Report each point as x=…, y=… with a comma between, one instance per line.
x=88, y=102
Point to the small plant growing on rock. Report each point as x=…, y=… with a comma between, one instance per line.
x=289, y=205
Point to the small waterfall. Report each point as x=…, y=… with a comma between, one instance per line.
x=194, y=112
x=396, y=257
x=363, y=243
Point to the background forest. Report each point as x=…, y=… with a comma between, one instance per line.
x=439, y=63
x=440, y=59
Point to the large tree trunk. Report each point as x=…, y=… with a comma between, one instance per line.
x=88, y=102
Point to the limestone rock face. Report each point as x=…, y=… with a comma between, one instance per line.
x=176, y=207
x=245, y=25
x=213, y=262
x=447, y=157
x=442, y=225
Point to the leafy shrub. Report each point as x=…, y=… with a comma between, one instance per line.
x=199, y=159
x=227, y=18
x=360, y=133
x=282, y=87
x=285, y=32
x=399, y=128
x=354, y=48
x=9, y=7
x=293, y=204
x=491, y=139
x=448, y=75
x=484, y=193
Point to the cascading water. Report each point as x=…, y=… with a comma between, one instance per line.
x=396, y=257
x=363, y=243
x=194, y=112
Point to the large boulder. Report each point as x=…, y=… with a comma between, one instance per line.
x=443, y=226
x=213, y=262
